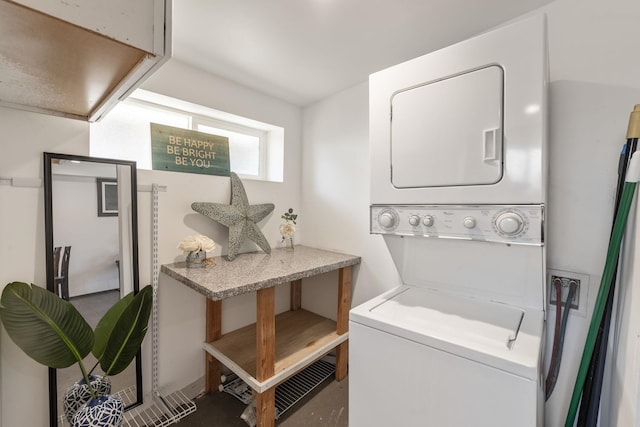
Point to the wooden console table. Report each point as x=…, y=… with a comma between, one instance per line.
x=275, y=347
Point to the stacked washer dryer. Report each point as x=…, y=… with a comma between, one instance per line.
x=458, y=151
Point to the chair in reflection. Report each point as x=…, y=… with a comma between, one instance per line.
x=56, y=260
x=61, y=271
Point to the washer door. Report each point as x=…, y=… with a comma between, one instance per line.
x=449, y=132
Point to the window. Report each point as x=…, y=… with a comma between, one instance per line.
x=255, y=148
x=245, y=146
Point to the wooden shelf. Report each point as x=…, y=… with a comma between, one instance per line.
x=301, y=338
x=275, y=347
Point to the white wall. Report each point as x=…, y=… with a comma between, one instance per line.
x=22, y=255
x=588, y=128
x=594, y=87
x=27, y=135
x=622, y=371
x=93, y=239
x=182, y=310
x=335, y=194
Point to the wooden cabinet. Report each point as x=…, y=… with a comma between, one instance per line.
x=134, y=23
x=77, y=59
x=276, y=346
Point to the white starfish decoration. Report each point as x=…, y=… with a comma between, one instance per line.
x=240, y=217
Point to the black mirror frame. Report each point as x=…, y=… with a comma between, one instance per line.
x=48, y=218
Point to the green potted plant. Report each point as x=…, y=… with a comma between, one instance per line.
x=52, y=332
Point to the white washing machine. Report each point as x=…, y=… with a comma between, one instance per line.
x=458, y=187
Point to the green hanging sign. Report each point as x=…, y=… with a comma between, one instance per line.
x=189, y=151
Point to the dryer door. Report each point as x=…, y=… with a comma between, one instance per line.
x=449, y=132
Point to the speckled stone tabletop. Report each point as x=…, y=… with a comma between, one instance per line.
x=257, y=270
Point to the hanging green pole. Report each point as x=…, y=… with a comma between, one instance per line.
x=633, y=176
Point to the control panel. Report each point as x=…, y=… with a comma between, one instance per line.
x=517, y=224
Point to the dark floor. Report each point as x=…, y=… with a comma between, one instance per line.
x=324, y=406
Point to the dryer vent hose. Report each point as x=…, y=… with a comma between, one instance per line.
x=632, y=178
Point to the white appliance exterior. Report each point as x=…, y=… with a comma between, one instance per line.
x=481, y=261
x=445, y=389
x=504, y=337
x=460, y=343
x=458, y=187
x=426, y=134
x=465, y=124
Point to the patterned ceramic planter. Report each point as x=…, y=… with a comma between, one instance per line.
x=105, y=411
x=78, y=394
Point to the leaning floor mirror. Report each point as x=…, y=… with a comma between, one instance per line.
x=91, y=252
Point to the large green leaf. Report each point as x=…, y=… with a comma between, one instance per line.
x=107, y=323
x=120, y=332
x=48, y=329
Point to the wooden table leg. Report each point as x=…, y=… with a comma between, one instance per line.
x=266, y=408
x=265, y=355
x=213, y=332
x=296, y=294
x=344, y=304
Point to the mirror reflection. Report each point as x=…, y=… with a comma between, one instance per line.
x=92, y=261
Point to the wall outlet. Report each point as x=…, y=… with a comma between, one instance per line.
x=565, y=279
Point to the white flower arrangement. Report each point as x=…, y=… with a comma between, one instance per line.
x=288, y=227
x=287, y=230
x=197, y=243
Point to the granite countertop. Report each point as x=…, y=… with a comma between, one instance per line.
x=257, y=270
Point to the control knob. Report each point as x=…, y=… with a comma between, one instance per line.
x=387, y=219
x=414, y=220
x=469, y=222
x=509, y=223
x=427, y=221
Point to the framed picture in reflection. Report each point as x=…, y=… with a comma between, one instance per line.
x=107, y=197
